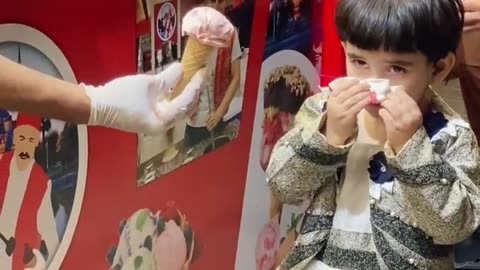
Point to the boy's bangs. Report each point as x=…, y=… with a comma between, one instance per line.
x=400, y=26
x=377, y=28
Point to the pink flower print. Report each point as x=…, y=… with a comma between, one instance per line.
x=268, y=241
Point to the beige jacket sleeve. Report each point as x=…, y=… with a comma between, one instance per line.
x=438, y=183
x=302, y=160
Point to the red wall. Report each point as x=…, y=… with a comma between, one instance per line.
x=98, y=39
x=333, y=58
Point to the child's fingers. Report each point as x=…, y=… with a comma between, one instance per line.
x=386, y=116
x=353, y=100
x=348, y=93
x=339, y=85
x=388, y=104
x=392, y=107
x=360, y=105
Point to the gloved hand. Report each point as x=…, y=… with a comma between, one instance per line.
x=139, y=103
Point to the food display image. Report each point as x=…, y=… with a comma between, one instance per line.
x=272, y=248
x=155, y=241
x=285, y=89
x=284, y=92
x=209, y=44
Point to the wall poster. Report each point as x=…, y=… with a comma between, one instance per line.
x=217, y=121
x=289, y=75
x=166, y=236
x=167, y=41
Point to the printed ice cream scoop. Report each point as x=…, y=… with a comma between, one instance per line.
x=160, y=241
x=206, y=29
x=170, y=247
x=141, y=259
x=379, y=88
x=137, y=231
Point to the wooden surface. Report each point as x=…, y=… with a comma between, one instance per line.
x=453, y=95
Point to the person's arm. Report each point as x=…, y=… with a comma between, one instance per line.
x=233, y=87
x=437, y=189
x=26, y=90
x=135, y=103
x=302, y=160
x=235, y=74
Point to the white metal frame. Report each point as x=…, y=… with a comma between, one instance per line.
x=32, y=37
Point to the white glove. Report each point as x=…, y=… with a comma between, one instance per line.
x=139, y=103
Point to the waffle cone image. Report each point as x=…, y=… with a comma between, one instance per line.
x=194, y=58
x=206, y=29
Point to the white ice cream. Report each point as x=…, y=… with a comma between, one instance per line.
x=381, y=88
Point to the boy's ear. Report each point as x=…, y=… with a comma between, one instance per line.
x=443, y=68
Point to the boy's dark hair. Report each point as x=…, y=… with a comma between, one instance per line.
x=432, y=27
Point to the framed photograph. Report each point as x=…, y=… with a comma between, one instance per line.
x=190, y=138
x=166, y=33
x=144, y=54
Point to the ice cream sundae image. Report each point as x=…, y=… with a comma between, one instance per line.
x=285, y=90
x=160, y=241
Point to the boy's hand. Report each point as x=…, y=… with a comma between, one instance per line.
x=402, y=118
x=347, y=98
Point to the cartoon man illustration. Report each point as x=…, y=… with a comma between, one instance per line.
x=27, y=224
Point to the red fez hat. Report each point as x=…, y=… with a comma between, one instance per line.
x=24, y=119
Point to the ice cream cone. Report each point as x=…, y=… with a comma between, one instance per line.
x=194, y=58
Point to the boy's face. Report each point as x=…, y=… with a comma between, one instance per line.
x=410, y=70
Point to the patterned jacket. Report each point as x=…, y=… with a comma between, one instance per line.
x=434, y=202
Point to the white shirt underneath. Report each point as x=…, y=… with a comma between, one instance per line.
x=353, y=211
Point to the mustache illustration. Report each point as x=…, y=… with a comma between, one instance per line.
x=24, y=155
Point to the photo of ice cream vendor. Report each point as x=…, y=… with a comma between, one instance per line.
x=224, y=84
x=215, y=118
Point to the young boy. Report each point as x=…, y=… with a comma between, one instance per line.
x=393, y=185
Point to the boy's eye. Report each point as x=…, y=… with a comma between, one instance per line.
x=397, y=69
x=359, y=63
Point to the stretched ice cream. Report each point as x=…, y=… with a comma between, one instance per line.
x=379, y=88
x=206, y=29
